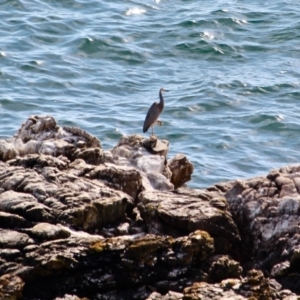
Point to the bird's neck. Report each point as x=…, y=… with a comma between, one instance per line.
x=161, y=99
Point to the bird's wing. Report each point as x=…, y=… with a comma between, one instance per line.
x=152, y=116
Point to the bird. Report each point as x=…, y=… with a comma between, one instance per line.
x=154, y=112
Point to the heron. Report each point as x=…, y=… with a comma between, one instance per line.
x=154, y=112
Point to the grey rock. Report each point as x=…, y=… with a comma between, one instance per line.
x=24, y=205
x=123, y=178
x=181, y=170
x=176, y=214
x=77, y=222
x=14, y=239
x=46, y=231
x=41, y=134
x=266, y=210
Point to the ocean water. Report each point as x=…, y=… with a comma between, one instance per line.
x=232, y=68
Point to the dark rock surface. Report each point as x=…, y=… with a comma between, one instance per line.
x=178, y=214
x=267, y=211
x=78, y=222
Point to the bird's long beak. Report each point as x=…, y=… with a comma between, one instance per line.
x=166, y=90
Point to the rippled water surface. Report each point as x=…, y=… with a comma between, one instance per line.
x=232, y=68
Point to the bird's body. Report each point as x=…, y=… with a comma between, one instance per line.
x=154, y=112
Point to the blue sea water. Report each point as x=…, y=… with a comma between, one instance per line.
x=232, y=68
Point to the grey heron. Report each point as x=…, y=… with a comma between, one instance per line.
x=154, y=112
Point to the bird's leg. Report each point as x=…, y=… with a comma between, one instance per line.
x=152, y=129
x=159, y=123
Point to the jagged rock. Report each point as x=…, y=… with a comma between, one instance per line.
x=148, y=157
x=128, y=145
x=253, y=286
x=266, y=210
x=181, y=170
x=222, y=267
x=7, y=150
x=24, y=205
x=79, y=168
x=123, y=178
x=42, y=135
x=82, y=136
x=156, y=146
x=158, y=182
x=92, y=156
x=131, y=142
x=91, y=209
x=169, y=296
x=11, y=244
x=11, y=287
x=38, y=161
x=178, y=214
x=77, y=221
x=149, y=259
x=55, y=195
x=42, y=140
x=119, y=262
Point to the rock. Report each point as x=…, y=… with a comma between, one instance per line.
x=92, y=156
x=126, y=179
x=266, y=210
x=55, y=195
x=77, y=222
x=181, y=170
x=14, y=239
x=90, y=210
x=253, y=286
x=168, y=296
x=42, y=135
x=118, y=262
x=156, y=146
x=158, y=182
x=148, y=259
x=38, y=162
x=7, y=150
x=222, y=267
x=12, y=221
x=24, y=205
x=148, y=157
x=178, y=214
x=11, y=287
x=47, y=232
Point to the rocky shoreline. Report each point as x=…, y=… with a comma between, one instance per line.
x=79, y=222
